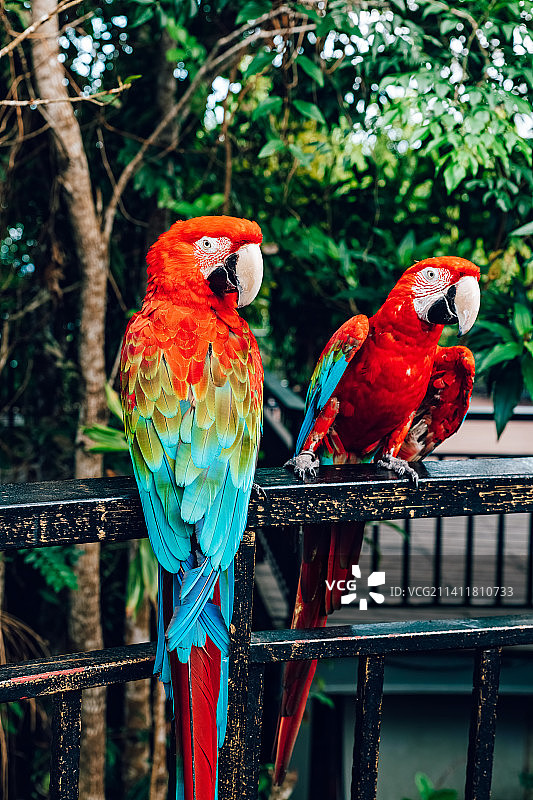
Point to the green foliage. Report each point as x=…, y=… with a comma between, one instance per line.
x=370, y=139
x=503, y=339
x=106, y=439
x=142, y=577
x=427, y=791
x=318, y=693
x=264, y=784
x=55, y=564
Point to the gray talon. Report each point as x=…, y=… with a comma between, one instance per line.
x=305, y=465
x=399, y=466
x=259, y=491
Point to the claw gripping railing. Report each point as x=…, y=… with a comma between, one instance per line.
x=41, y=514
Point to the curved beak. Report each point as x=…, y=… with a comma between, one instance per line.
x=241, y=272
x=460, y=304
x=467, y=299
x=249, y=273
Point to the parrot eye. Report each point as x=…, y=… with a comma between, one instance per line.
x=430, y=274
x=208, y=245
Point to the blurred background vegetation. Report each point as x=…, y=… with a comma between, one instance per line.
x=361, y=136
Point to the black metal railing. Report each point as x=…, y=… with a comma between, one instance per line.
x=279, y=557
x=109, y=510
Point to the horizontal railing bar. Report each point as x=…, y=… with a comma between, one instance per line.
x=108, y=509
x=343, y=641
x=520, y=413
x=66, y=673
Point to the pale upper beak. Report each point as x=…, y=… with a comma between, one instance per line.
x=249, y=271
x=241, y=272
x=459, y=305
x=467, y=299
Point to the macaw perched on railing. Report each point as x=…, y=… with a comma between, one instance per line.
x=383, y=391
x=192, y=394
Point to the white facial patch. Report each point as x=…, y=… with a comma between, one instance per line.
x=428, y=284
x=210, y=253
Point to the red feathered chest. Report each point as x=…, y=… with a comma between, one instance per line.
x=383, y=385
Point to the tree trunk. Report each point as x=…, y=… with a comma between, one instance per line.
x=92, y=256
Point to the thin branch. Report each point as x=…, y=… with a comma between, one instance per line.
x=81, y=99
x=462, y=14
x=107, y=167
x=22, y=388
x=213, y=62
x=115, y=368
x=26, y=137
x=227, y=147
x=62, y=6
x=118, y=293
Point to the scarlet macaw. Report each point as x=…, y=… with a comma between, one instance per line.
x=192, y=393
x=383, y=391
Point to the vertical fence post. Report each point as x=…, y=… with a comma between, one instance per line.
x=529, y=576
x=367, y=727
x=500, y=558
x=406, y=560
x=233, y=752
x=469, y=559
x=437, y=566
x=254, y=721
x=65, y=754
x=482, y=724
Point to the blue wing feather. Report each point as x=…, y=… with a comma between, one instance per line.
x=329, y=370
x=194, y=474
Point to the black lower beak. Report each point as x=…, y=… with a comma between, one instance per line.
x=443, y=311
x=223, y=280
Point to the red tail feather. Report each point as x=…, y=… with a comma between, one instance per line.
x=195, y=688
x=324, y=557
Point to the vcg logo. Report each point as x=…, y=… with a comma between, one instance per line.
x=350, y=586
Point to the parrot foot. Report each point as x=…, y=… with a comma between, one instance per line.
x=399, y=466
x=305, y=464
x=259, y=491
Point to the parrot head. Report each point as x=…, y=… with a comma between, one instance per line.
x=214, y=259
x=444, y=291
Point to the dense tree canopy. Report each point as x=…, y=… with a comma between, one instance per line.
x=362, y=136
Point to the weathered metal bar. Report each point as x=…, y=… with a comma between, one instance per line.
x=437, y=561
x=232, y=754
x=529, y=575
x=367, y=727
x=482, y=724
x=254, y=719
x=375, y=547
x=77, y=671
x=65, y=752
x=500, y=556
x=38, y=514
x=469, y=560
x=390, y=637
x=406, y=560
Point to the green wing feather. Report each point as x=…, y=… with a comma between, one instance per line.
x=193, y=447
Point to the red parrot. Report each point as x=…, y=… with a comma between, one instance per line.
x=192, y=393
x=383, y=391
